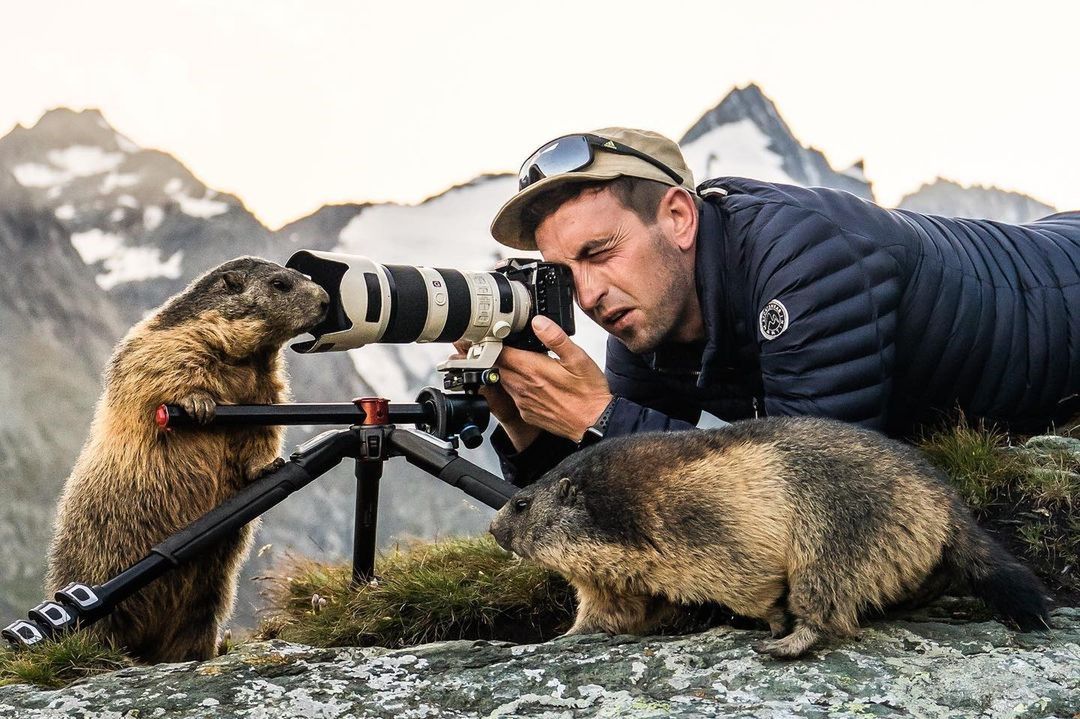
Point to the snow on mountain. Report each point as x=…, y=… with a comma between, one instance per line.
x=65, y=165
x=443, y=231
x=320, y=229
x=121, y=262
x=735, y=148
x=945, y=197
x=138, y=217
x=745, y=135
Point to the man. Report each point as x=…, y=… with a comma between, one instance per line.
x=745, y=298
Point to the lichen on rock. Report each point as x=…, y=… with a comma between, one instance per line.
x=921, y=665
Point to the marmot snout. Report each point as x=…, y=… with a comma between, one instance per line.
x=805, y=523
x=217, y=342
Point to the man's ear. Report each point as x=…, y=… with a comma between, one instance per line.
x=566, y=491
x=679, y=210
x=233, y=281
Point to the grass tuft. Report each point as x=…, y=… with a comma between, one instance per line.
x=1027, y=494
x=455, y=589
x=57, y=664
x=974, y=460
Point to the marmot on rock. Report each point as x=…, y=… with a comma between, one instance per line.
x=217, y=342
x=805, y=523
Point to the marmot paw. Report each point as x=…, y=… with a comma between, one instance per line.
x=773, y=648
x=586, y=628
x=792, y=646
x=200, y=406
x=274, y=466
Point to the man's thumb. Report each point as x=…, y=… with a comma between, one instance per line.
x=552, y=335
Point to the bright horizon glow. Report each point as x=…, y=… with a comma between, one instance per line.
x=291, y=105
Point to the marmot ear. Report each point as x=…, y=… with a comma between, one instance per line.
x=566, y=491
x=234, y=281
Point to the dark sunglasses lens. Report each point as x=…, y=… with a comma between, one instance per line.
x=563, y=155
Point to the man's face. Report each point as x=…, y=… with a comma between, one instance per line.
x=630, y=277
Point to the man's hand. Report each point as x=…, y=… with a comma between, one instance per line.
x=502, y=407
x=565, y=395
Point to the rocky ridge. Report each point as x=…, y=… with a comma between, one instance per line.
x=945, y=197
x=925, y=665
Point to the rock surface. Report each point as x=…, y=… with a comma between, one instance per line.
x=921, y=666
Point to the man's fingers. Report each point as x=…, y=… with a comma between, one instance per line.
x=552, y=335
x=518, y=360
x=461, y=349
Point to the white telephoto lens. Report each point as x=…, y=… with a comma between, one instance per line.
x=370, y=303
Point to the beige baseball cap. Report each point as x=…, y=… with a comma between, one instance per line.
x=506, y=228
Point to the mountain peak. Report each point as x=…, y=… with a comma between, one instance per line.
x=748, y=102
x=947, y=197
x=63, y=127
x=857, y=170
x=69, y=115
x=745, y=135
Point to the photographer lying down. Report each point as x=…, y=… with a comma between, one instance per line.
x=745, y=298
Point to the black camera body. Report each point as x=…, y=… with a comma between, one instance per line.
x=551, y=287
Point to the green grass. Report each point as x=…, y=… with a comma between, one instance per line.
x=975, y=460
x=57, y=664
x=1027, y=495
x=1053, y=482
x=454, y=589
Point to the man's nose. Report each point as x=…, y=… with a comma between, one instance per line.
x=589, y=291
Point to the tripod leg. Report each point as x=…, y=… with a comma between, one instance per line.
x=368, y=475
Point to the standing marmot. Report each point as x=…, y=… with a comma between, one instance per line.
x=218, y=341
x=805, y=523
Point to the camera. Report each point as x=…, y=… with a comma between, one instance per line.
x=551, y=291
x=371, y=302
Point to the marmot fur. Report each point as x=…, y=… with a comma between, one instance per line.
x=805, y=523
x=217, y=342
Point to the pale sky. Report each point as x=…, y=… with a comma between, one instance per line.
x=292, y=105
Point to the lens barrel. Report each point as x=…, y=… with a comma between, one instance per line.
x=371, y=302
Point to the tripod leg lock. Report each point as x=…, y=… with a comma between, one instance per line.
x=23, y=633
x=74, y=603
x=80, y=597
x=54, y=617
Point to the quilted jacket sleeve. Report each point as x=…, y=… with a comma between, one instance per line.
x=825, y=289
x=643, y=402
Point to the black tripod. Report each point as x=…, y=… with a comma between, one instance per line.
x=371, y=439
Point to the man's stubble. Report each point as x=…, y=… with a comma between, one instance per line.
x=675, y=285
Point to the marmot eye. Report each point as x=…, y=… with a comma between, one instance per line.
x=521, y=505
x=280, y=285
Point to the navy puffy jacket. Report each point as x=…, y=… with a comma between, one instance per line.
x=817, y=302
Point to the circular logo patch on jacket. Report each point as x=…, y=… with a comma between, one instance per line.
x=773, y=320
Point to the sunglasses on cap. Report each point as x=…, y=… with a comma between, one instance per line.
x=571, y=153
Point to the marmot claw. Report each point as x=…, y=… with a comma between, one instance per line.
x=199, y=406
x=274, y=466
